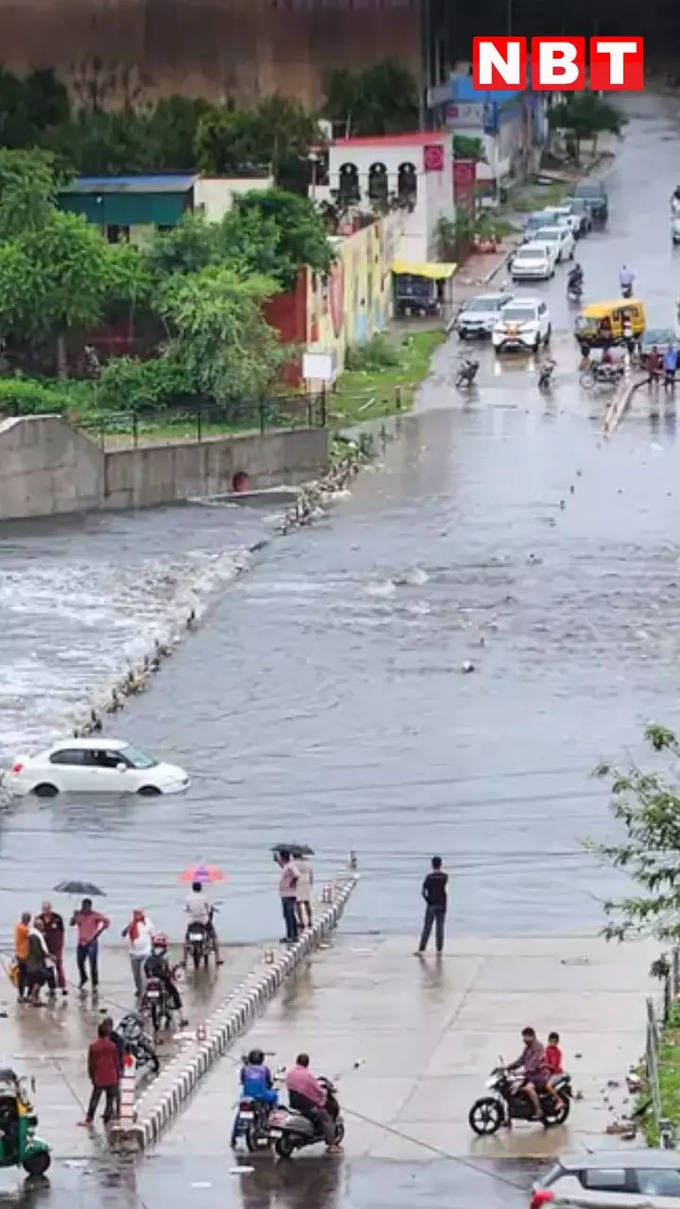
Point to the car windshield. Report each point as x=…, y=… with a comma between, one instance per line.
x=532, y=254
x=138, y=759
x=481, y=304
x=517, y=314
x=593, y=191
x=549, y=234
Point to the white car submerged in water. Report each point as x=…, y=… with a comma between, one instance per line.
x=93, y=766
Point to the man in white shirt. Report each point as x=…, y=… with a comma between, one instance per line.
x=200, y=911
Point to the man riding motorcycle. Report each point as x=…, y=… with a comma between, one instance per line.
x=200, y=911
x=536, y=1070
x=256, y=1084
x=575, y=277
x=307, y=1096
x=158, y=966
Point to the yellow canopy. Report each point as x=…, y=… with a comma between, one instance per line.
x=436, y=272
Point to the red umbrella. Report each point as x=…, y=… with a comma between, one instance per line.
x=202, y=873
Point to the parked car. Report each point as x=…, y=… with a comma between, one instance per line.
x=533, y=261
x=522, y=324
x=595, y=194
x=560, y=238
x=611, y=1179
x=532, y=224
x=564, y=215
x=662, y=337
x=581, y=207
x=478, y=315
x=94, y=766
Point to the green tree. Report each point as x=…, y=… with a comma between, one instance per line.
x=382, y=99
x=466, y=147
x=584, y=115
x=172, y=127
x=646, y=807
x=219, y=336
x=189, y=247
x=275, y=135
x=100, y=143
x=302, y=235
x=28, y=187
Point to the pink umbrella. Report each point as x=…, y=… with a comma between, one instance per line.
x=202, y=873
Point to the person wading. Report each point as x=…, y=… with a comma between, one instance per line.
x=434, y=893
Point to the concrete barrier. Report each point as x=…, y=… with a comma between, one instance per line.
x=163, y=1100
x=621, y=402
x=49, y=468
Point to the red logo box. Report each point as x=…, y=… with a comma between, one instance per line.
x=617, y=64
x=558, y=64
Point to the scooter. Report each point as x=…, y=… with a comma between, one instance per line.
x=545, y=374
x=508, y=1102
x=574, y=291
x=291, y=1130
x=601, y=375
x=466, y=373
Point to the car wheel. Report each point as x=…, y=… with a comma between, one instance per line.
x=149, y=791
x=45, y=790
x=571, y=254
x=552, y=274
x=537, y=344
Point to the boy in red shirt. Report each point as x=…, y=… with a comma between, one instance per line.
x=553, y=1056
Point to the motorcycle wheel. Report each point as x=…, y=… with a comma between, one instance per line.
x=155, y=1017
x=461, y=380
x=558, y=1118
x=196, y=954
x=252, y=1136
x=587, y=380
x=339, y=1133
x=284, y=1146
x=37, y=1164
x=485, y=1116
x=147, y=1054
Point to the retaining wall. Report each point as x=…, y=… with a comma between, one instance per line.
x=48, y=468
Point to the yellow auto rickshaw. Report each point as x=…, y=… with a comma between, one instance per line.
x=601, y=323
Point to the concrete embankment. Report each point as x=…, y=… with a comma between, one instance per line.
x=414, y=1040
x=49, y=468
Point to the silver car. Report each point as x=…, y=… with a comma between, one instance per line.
x=477, y=316
x=611, y=1179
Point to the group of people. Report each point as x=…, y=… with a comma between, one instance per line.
x=541, y=1065
x=39, y=955
x=295, y=891
x=306, y=1093
x=663, y=366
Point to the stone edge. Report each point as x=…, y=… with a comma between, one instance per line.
x=224, y=1026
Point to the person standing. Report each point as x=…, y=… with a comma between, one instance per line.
x=288, y=894
x=139, y=933
x=103, y=1068
x=670, y=366
x=39, y=968
x=90, y=925
x=654, y=366
x=120, y=1049
x=434, y=893
x=21, y=931
x=53, y=930
x=303, y=891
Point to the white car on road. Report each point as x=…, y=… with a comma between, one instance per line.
x=523, y=324
x=533, y=261
x=559, y=238
x=93, y=766
x=563, y=216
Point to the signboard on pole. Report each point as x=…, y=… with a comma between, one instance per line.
x=464, y=179
x=318, y=367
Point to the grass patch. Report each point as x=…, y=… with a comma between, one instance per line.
x=369, y=393
x=537, y=199
x=669, y=1079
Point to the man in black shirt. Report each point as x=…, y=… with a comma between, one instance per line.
x=434, y=893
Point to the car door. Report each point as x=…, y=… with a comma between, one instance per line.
x=106, y=774
x=70, y=769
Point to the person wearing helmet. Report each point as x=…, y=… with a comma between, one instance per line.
x=158, y=966
x=256, y=1083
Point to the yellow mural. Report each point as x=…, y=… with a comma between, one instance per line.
x=356, y=299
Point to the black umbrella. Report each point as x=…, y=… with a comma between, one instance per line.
x=87, y=888
x=294, y=849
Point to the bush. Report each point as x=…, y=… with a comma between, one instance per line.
x=139, y=386
x=30, y=397
x=376, y=354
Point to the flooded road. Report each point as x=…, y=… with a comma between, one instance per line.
x=323, y=696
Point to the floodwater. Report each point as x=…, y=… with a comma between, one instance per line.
x=323, y=698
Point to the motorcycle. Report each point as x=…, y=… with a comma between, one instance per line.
x=508, y=1102
x=545, y=374
x=136, y=1042
x=157, y=1002
x=466, y=373
x=291, y=1130
x=601, y=375
x=19, y=1146
x=574, y=289
x=199, y=940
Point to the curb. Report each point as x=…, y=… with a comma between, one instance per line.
x=162, y=1101
x=497, y=268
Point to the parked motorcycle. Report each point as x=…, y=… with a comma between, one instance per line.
x=199, y=940
x=508, y=1102
x=291, y=1130
x=601, y=375
x=545, y=374
x=467, y=373
x=131, y=1029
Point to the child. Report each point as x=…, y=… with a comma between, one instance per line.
x=553, y=1056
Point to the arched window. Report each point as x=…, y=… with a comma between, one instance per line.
x=348, y=184
x=407, y=183
x=377, y=183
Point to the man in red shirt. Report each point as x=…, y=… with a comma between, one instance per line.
x=103, y=1067
x=90, y=925
x=306, y=1094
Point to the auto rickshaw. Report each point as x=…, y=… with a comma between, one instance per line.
x=19, y=1147
x=601, y=323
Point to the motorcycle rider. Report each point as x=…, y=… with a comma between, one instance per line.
x=158, y=966
x=256, y=1083
x=575, y=278
x=306, y=1094
x=626, y=278
x=536, y=1069
x=200, y=911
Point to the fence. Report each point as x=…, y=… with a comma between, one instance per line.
x=671, y=984
x=196, y=421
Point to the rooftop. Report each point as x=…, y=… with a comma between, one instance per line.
x=176, y=182
x=417, y=138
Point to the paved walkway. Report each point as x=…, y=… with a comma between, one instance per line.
x=51, y=1043
x=414, y=1041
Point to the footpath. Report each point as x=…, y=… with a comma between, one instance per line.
x=413, y=1041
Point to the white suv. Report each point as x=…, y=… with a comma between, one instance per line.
x=523, y=324
x=560, y=238
x=532, y=260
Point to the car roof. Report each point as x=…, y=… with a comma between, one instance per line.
x=527, y=302
x=485, y=298
x=91, y=744
x=620, y=1158
x=536, y=244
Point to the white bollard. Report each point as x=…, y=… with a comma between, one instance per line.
x=327, y=893
x=127, y=1089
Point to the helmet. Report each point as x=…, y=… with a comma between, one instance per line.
x=160, y=941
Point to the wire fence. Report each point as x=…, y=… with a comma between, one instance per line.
x=655, y=1022
x=203, y=421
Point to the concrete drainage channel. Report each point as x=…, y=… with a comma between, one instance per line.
x=163, y=1099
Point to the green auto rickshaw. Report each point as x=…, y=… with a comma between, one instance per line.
x=19, y=1146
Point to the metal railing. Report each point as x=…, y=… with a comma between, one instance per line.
x=197, y=421
x=655, y=1022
